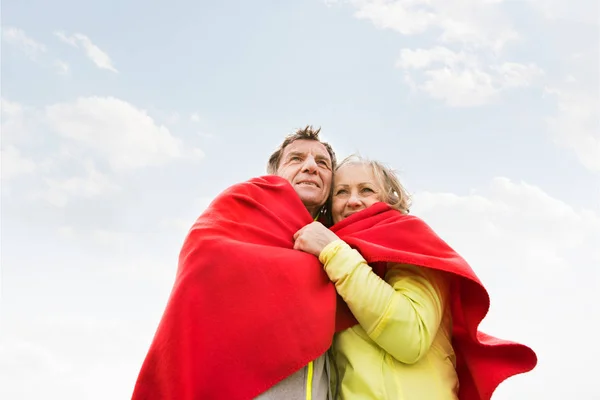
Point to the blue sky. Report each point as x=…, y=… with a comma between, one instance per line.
x=122, y=120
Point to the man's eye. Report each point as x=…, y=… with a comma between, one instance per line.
x=295, y=158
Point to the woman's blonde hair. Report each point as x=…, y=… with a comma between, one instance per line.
x=393, y=193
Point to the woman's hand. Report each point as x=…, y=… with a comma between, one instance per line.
x=313, y=238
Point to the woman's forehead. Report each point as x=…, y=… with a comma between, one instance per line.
x=353, y=173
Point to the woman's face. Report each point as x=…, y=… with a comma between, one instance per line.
x=354, y=189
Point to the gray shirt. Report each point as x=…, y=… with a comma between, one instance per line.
x=294, y=386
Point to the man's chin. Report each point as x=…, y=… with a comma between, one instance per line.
x=311, y=201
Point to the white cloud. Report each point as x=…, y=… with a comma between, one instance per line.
x=585, y=11
x=18, y=38
x=59, y=191
x=173, y=118
x=181, y=225
x=98, y=136
x=466, y=22
x=30, y=356
x=464, y=68
x=514, y=75
x=93, y=52
x=34, y=50
x=461, y=78
x=66, y=360
x=538, y=258
x=14, y=164
x=13, y=130
x=62, y=67
x=576, y=125
x=13, y=122
x=463, y=88
x=121, y=133
x=111, y=238
x=195, y=117
x=424, y=58
x=67, y=232
x=403, y=18
x=10, y=108
x=21, y=358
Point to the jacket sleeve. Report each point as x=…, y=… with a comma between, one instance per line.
x=402, y=313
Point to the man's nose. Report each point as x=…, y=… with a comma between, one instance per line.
x=309, y=165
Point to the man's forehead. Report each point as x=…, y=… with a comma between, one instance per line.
x=306, y=146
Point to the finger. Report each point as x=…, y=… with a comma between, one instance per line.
x=298, y=233
x=298, y=245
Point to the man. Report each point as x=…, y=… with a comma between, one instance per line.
x=248, y=316
x=308, y=164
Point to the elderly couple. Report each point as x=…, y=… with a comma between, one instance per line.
x=314, y=283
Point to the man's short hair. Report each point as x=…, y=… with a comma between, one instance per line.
x=306, y=133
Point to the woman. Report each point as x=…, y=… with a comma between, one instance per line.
x=401, y=347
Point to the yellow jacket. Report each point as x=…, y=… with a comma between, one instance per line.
x=401, y=349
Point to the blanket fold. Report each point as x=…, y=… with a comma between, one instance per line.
x=246, y=310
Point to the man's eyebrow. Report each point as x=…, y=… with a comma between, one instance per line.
x=322, y=157
x=294, y=154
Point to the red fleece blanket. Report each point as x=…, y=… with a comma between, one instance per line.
x=246, y=310
x=383, y=235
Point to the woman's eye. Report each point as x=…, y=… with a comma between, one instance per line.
x=341, y=191
x=367, y=190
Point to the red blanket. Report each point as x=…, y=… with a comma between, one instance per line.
x=246, y=310
x=384, y=235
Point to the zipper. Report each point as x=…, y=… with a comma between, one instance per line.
x=310, y=372
x=309, y=379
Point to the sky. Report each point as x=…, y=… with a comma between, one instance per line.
x=122, y=120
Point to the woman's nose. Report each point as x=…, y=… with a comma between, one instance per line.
x=354, y=201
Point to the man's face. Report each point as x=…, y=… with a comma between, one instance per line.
x=307, y=166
